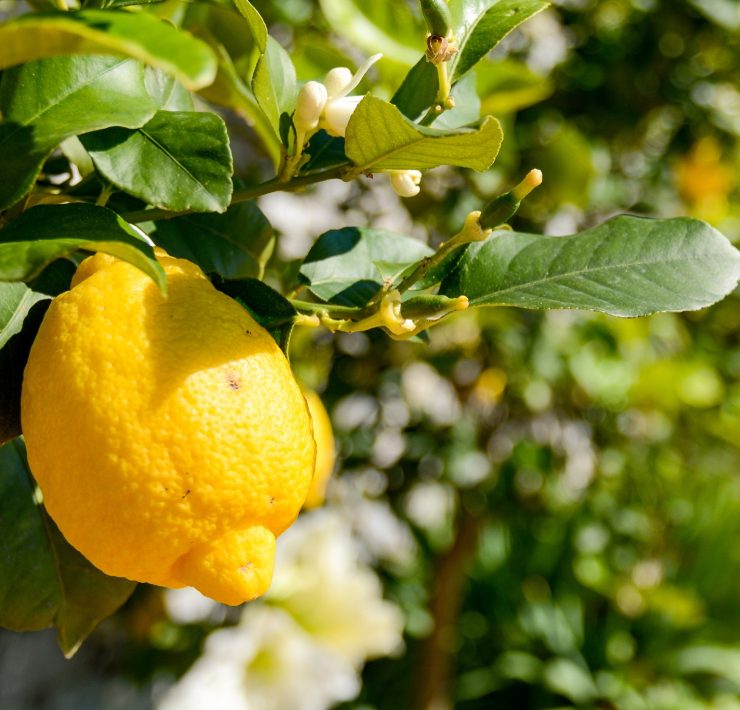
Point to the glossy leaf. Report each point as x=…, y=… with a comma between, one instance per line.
x=348, y=266
x=138, y=35
x=166, y=92
x=43, y=580
x=629, y=266
x=418, y=90
x=179, y=160
x=479, y=25
x=16, y=300
x=274, y=83
x=236, y=244
x=379, y=137
x=48, y=232
x=47, y=101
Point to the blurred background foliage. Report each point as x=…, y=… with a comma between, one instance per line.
x=551, y=499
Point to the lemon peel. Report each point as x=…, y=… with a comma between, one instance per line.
x=167, y=433
x=325, y=453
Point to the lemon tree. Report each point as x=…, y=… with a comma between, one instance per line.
x=166, y=437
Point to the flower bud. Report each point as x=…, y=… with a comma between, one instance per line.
x=405, y=182
x=309, y=106
x=337, y=81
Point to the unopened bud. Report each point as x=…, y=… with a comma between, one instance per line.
x=309, y=106
x=532, y=180
x=337, y=80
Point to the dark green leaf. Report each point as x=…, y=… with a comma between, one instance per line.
x=139, y=35
x=479, y=25
x=48, y=232
x=418, y=90
x=274, y=83
x=342, y=266
x=235, y=245
x=269, y=308
x=47, y=101
x=43, y=580
x=324, y=152
x=629, y=266
x=379, y=137
x=19, y=329
x=178, y=161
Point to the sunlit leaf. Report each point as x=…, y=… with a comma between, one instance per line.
x=343, y=264
x=179, y=160
x=138, y=35
x=629, y=266
x=45, y=102
x=379, y=137
x=47, y=232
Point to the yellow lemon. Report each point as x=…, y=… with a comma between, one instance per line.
x=167, y=433
x=324, y=449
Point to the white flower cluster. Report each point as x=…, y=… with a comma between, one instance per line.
x=304, y=644
x=328, y=105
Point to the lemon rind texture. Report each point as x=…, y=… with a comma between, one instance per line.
x=167, y=433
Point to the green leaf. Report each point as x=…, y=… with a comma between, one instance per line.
x=138, y=35
x=342, y=266
x=418, y=89
x=236, y=244
x=43, y=580
x=324, y=152
x=629, y=266
x=45, y=102
x=21, y=311
x=48, y=232
x=178, y=161
x=269, y=308
x=274, y=83
x=479, y=25
x=16, y=300
x=379, y=137
x=257, y=25
x=167, y=93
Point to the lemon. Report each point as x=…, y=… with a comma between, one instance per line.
x=324, y=437
x=168, y=436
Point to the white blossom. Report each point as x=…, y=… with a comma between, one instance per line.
x=267, y=662
x=321, y=582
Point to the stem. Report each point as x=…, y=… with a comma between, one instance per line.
x=246, y=193
x=104, y=195
x=471, y=232
x=326, y=308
